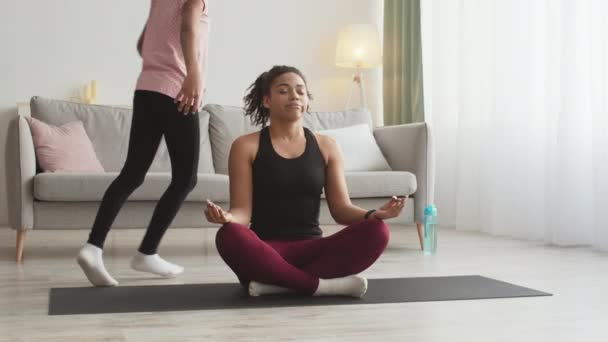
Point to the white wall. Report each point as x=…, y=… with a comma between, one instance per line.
x=50, y=48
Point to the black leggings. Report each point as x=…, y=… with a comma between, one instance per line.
x=154, y=115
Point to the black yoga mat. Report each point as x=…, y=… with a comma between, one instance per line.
x=91, y=300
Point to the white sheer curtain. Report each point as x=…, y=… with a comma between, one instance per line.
x=517, y=93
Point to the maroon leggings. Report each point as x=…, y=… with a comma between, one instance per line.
x=298, y=264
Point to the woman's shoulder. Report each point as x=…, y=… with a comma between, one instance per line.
x=328, y=146
x=247, y=143
x=247, y=139
x=325, y=141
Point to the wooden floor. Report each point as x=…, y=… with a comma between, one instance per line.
x=578, y=278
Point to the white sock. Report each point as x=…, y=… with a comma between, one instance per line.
x=156, y=265
x=90, y=259
x=257, y=289
x=354, y=286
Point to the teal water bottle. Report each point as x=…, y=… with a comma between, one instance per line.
x=430, y=229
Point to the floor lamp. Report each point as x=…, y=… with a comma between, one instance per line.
x=359, y=48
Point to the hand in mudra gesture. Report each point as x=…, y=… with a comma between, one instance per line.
x=215, y=214
x=390, y=209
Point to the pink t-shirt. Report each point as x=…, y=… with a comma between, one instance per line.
x=164, y=67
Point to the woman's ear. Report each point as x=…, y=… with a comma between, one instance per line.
x=266, y=102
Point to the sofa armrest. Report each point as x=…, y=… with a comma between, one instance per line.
x=21, y=169
x=410, y=148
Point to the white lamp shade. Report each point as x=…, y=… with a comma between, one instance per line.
x=358, y=46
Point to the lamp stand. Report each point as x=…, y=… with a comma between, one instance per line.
x=357, y=81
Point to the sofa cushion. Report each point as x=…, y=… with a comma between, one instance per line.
x=359, y=149
x=226, y=123
x=317, y=121
x=108, y=128
x=71, y=187
x=63, y=148
x=380, y=183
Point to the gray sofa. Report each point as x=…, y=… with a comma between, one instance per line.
x=40, y=200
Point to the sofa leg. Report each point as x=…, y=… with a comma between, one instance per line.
x=420, y=227
x=20, y=242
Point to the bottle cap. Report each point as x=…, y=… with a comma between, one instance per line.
x=430, y=210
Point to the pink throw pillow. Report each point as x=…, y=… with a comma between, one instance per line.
x=66, y=148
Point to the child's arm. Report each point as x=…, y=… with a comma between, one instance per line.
x=190, y=94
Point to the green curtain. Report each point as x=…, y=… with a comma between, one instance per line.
x=402, y=64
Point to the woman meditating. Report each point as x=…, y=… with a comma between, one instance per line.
x=270, y=235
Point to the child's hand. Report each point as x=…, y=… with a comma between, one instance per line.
x=189, y=97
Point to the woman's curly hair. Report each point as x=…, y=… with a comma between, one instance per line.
x=254, y=100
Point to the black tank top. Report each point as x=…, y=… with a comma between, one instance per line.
x=287, y=192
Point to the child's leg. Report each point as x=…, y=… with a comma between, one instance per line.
x=145, y=136
x=182, y=136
